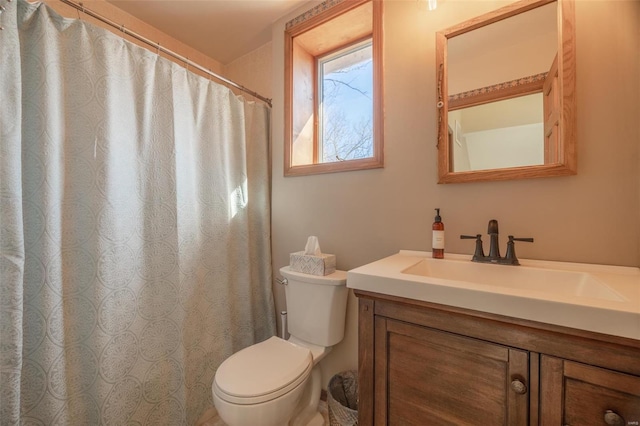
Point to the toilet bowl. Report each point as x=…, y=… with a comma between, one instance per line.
x=278, y=382
x=245, y=392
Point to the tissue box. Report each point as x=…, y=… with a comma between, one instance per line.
x=324, y=264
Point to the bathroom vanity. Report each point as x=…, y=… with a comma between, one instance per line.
x=440, y=344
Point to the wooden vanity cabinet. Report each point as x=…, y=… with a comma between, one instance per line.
x=427, y=364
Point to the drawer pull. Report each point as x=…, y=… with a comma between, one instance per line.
x=518, y=387
x=613, y=419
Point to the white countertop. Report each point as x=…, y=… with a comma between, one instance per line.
x=618, y=316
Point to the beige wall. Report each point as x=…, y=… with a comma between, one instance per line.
x=253, y=70
x=362, y=216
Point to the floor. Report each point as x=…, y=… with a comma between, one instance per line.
x=210, y=417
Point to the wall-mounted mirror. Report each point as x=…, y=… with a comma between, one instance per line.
x=506, y=94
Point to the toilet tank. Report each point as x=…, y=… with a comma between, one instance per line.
x=316, y=306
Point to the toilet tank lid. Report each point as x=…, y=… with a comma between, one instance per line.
x=263, y=368
x=337, y=278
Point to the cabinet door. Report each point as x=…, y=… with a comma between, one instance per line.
x=581, y=395
x=429, y=377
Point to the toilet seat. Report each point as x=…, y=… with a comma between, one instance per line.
x=262, y=372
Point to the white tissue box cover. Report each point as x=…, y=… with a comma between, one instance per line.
x=324, y=264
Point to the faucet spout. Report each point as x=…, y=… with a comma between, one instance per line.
x=494, y=248
x=492, y=228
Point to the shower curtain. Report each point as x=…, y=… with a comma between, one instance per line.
x=135, y=228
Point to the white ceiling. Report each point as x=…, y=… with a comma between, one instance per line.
x=222, y=29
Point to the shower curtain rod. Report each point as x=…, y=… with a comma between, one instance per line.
x=81, y=8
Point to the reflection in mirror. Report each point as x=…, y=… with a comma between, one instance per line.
x=507, y=105
x=496, y=135
x=521, y=46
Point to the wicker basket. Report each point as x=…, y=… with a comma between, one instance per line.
x=342, y=399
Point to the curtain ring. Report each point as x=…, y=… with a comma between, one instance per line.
x=122, y=28
x=158, y=49
x=186, y=64
x=78, y=10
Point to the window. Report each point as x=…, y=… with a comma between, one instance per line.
x=345, y=104
x=333, y=110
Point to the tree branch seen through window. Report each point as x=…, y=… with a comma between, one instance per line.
x=346, y=108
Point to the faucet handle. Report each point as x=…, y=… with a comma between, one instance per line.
x=510, y=257
x=527, y=240
x=479, y=253
x=471, y=237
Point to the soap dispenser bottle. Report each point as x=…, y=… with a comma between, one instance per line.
x=437, y=242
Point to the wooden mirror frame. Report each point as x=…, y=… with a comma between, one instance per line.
x=566, y=84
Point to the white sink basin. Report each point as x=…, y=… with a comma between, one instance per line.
x=569, y=283
x=599, y=298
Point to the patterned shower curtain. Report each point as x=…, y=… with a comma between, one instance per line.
x=135, y=228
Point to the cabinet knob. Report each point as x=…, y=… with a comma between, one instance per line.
x=613, y=419
x=518, y=387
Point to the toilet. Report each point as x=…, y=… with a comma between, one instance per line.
x=278, y=382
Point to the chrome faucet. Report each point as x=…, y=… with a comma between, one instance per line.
x=494, y=247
